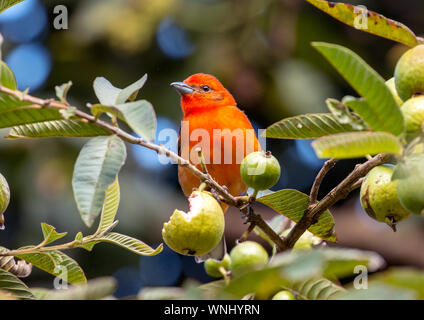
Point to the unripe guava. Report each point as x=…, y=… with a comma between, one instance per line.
x=410, y=176
x=392, y=87
x=409, y=73
x=283, y=295
x=260, y=170
x=4, y=198
x=379, y=197
x=213, y=267
x=413, y=113
x=305, y=242
x=247, y=256
x=199, y=230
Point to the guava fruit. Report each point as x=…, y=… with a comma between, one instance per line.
x=283, y=295
x=213, y=267
x=260, y=170
x=247, y=256
x=413, y=113
x=409, y=174
x=199, y=230
x=392, y=87
x=409, y=73
x=379, y=196
x=4, y=199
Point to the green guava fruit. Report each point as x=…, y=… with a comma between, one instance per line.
x=213, y=267
x=199, y=230
x=409, y=73
x=379, y=197
x=4, y=199
x=284, y=295
x=247, y=256
x=260, y=170
x=409, y=174
x=392, y=87
x=305, y=242
x=413, y=113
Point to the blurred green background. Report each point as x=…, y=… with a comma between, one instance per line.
x=259, y=49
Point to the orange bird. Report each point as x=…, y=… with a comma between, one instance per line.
x=212, y=121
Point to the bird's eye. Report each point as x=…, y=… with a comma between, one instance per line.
x=206, y=88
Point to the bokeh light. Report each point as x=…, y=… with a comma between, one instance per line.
x=31, y=64
x=166, y=134
x=163, y=269
x=129, y=282
x=173, y=40
x=24, y=22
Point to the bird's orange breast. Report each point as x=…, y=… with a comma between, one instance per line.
x=225, y=136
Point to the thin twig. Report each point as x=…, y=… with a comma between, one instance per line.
x=341, y=191
x=229, y=199
x=328, y=165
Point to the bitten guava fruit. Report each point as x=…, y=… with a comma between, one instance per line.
x=260, y=170
x=305, y=242
x=409, y=174
x=392, y=87
x=247, y=256
x=379, y=197
x=214, y=267
x=4, y=199
x=283, y=295
x=409, y=73
x=413, y=113
x=199, y=230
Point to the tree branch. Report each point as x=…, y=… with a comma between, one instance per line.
x=339, y=192
x=238, y=202
x=328, y=165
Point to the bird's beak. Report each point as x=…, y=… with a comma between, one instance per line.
x=182, y=88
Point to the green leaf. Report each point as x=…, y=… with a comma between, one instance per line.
x=7, y=77
x=69, y=269
x=56, y=263
x=139, y=115
x=407, y=278
x=131, y=244
x=62, y=91
x=317, y=289
x=10, y=283
x=380, y=291
x=58, y=128
x=50, y=234
x=14, y=112
x=130, y=92
x=383, y=113
x=343, y=114
x=95, y=170
x=356, y=145
x=292, y=204
x=93, y=290
x=5, y=4
x=105, y=91
x=308, y=126
x=110, y=206
x=161, y=293
x=376, y=23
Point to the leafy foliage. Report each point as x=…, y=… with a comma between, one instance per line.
x=376, y=23
x=10, y=283
x=308, y=126
x=292, y=204
x=131, y=244
x=356, y=145
x=58, y=128
x=50, y=234
x=383, y=113
x=317, y=289
x=95, y=170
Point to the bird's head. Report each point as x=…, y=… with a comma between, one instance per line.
x=202, y=91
